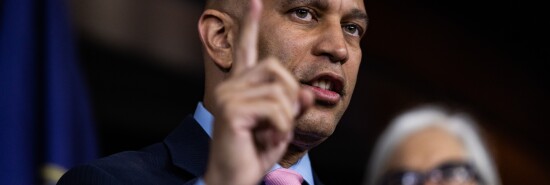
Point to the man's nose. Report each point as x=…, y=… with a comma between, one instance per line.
x=332, y=44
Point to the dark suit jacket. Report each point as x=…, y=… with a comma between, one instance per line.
x=180, y=159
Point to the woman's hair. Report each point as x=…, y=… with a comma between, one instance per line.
x=458, y=124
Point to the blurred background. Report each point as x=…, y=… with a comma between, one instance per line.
x=142, y=64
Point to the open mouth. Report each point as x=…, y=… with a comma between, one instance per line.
x=328, y=88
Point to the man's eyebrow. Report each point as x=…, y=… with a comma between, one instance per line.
x=358, y=14
x=323, y=5
x=320, y=4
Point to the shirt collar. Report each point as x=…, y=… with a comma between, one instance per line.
x=206, y=121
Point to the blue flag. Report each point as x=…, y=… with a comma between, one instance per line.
x=46, y=124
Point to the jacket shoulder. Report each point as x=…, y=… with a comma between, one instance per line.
x=87, y=175
x=151, y=165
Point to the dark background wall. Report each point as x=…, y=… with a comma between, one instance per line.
x=143, y=64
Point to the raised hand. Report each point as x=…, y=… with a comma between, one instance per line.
x=256, y=108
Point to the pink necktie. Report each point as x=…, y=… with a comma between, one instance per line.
x=283, y=176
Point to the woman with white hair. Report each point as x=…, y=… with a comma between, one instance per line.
x=430, y=146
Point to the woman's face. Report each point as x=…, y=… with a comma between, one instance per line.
x=432, y=155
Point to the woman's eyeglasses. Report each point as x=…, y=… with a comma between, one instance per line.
x=452, y=173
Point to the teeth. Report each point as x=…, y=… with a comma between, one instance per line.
x=323, y=84
x=315, y=84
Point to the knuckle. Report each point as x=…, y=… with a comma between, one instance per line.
x=280, y=94
x=274, y=109
x=277, y=90
x=280, y=110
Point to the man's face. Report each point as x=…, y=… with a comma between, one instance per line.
x=319, y=42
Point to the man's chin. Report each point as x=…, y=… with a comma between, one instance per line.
x=306, y=142
x=316, y=125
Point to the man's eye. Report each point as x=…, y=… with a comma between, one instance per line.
x=302, y=14
x=352, y=29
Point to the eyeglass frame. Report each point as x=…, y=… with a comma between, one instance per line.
x=422, y=177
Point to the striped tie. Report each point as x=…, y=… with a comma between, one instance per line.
x=283, y=176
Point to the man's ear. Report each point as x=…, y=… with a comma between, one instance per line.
x=215, y=32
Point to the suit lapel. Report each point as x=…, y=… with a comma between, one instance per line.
x=188, y=146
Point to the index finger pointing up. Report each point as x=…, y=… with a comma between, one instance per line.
x=245, y=54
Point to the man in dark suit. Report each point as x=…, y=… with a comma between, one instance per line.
x=278, y=77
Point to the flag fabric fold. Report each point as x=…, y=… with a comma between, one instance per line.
x=46, y=124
